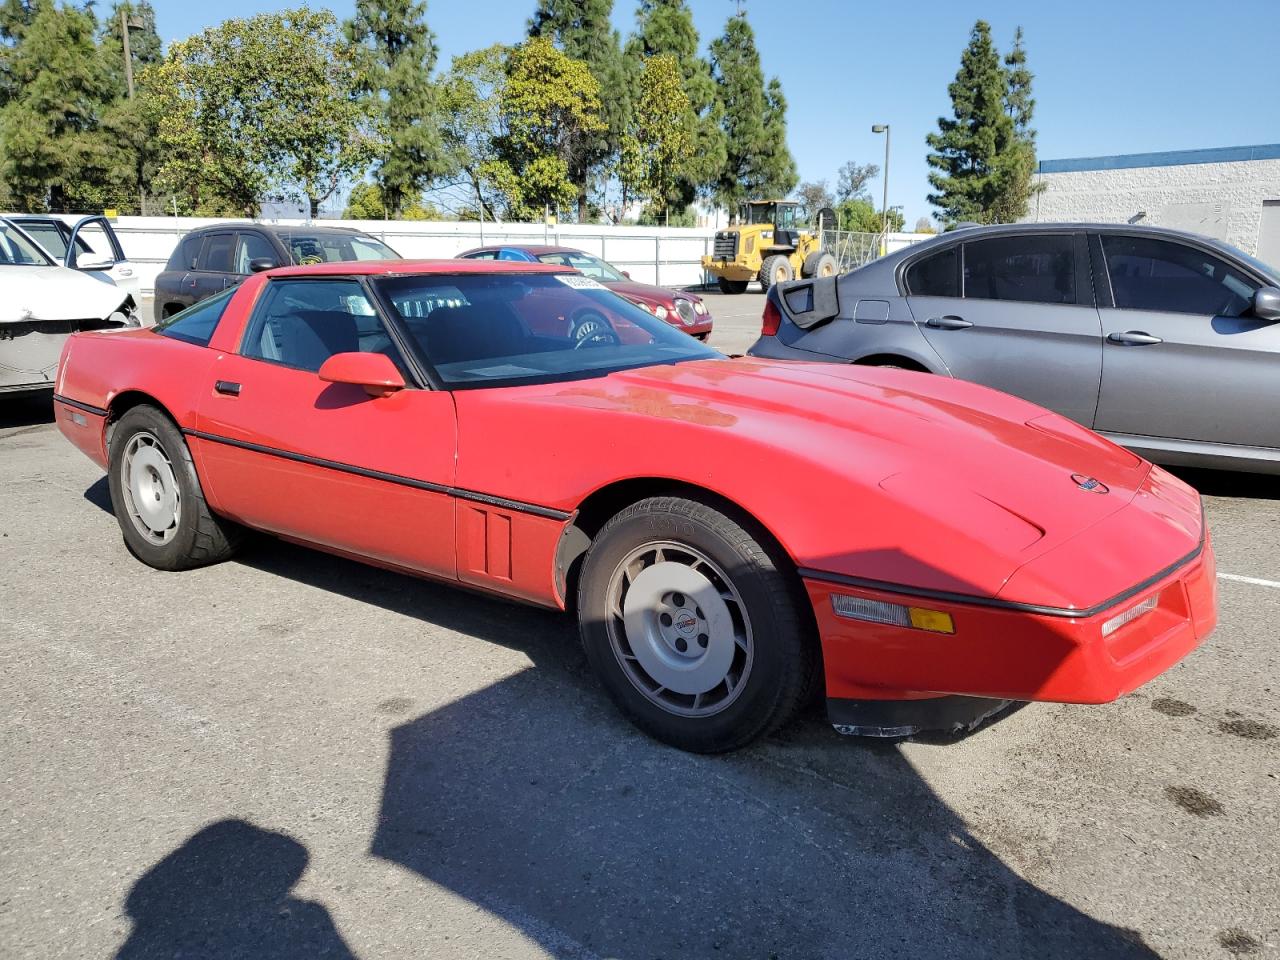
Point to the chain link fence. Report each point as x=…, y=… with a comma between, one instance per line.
x=853, y=250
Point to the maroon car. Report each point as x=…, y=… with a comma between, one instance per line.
x=681, y=309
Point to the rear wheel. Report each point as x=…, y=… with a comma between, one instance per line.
x=819, y=264
x=775, y=269
x=157, y=499
x=731, y=286
x=696, y=634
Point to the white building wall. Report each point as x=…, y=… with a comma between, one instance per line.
x=1221, y=200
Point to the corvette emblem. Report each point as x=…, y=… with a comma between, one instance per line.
x=685, y=623
x=1089, y=483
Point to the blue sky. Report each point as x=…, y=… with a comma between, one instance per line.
x=1112, y=76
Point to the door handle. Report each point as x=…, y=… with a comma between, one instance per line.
x=948, y=322
x=1134, y=338
x=227, y=387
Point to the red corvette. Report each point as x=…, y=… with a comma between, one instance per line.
x=730, y=532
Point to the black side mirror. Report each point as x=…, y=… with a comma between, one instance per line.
x=258, y=264
x=1266, y=303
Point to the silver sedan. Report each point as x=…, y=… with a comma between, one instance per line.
x=1166, y=342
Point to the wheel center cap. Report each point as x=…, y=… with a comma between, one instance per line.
x=687, y=624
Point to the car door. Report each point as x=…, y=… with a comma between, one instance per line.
x=321, y=462
x=93, y=241
x=1024, y=321
x=1183, y=357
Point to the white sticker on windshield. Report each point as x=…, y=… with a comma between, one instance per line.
x=578, y=281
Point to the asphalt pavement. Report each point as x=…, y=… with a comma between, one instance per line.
x=293, y=755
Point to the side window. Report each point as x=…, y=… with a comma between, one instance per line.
x=185, y=253
x=47, y=234
x=250, y=247
x=1159, y=275
x=302, y=323
x=196, y=324
x=482, y=255
x=1027, y=269
x=935, y=276
x=508, y=254
x=217, y=252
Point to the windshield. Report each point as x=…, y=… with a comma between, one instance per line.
x=505, y=329
x=761, y=212
x=584, y=263
x=17, y=249
x=336, y=247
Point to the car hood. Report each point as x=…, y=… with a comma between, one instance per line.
x=648, y=292
x=54, y=293
x=893, y=476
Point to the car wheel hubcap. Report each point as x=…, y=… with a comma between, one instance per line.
x=679, y=628
x=150, y=488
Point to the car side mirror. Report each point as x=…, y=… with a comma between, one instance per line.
x=626, y=274
x=373, y=371
x=258, y=264
x=95, y=262
x=1266, y=303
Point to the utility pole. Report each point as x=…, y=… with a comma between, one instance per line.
x=125, y=24
x=884, y=208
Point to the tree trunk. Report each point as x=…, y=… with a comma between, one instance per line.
x=582, y=205
x=315, y=207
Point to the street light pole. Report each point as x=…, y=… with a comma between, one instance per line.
x=884, y=207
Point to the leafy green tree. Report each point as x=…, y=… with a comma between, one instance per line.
x=271, y=102
x=365, y=202
x=851, y=184
x=666, y=27
x=582, y=30
x=981, y=168
x=53, y=155
x=396, y=52
x=550, y=108
x=758, y=163
x=860, y=216
x=657, y=146
x=471, y=123
x=925, y=225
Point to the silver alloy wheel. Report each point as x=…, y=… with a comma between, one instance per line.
x=679, y=628
x=150, y=488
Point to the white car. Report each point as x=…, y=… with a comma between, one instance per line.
x=88, y=244
x=41, y=304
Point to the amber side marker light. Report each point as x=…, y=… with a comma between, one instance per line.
x=1128, y=616
x=896, y=614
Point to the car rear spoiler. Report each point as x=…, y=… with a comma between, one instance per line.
x=808, y=303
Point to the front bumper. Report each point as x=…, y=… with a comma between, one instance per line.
x=1013, y=654
x=729, y=269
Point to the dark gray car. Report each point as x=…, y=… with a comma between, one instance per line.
x=1166, y=342
x=211, y=259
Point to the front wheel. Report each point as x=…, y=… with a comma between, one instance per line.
x=695, y=632
x=775, y=270
x=157, y=499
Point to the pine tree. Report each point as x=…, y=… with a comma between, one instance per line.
x=1018, y=166
x=973, y=151
x=666, y=27
x=777, y=168
x=53, y=155
x=131, y=136
x=757, y=160
x=1019, y=103
x=582, y=30
x=395, y=54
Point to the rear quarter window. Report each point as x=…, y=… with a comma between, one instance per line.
x=196, y=324
x=937, y=275
x=185, y=253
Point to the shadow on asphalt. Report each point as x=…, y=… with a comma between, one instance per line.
x=225, y=893
x=25, y=411
x=537, y=801
x=1225, y=483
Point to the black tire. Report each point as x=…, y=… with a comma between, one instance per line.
x=769, y=602
x=197, y=537
x=731, y=286
x=819, y=264
x=775, y=269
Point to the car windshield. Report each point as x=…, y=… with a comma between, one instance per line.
x=17, y=249
x=336, y=248
x=584, y=263
x=505, y=329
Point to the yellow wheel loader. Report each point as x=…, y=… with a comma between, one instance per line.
x=770, y=244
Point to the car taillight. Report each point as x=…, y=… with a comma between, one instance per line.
x=771, y=321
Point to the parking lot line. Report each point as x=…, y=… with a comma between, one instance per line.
x=1254, y=580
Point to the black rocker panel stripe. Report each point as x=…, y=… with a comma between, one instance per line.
x=500, y=502
x=86, y=407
